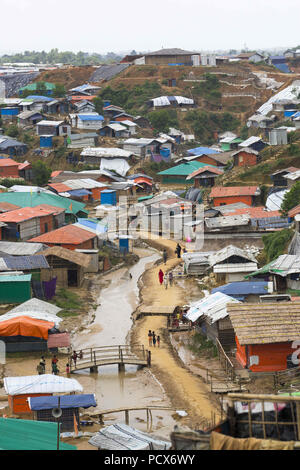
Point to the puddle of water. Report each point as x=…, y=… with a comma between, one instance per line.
x=134, y=387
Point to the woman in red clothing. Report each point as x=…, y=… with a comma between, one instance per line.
x=161, y=276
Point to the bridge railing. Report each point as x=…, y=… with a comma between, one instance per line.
x=119, y=353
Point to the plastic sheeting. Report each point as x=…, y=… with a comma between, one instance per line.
x=21, y=434
x=65, y=401
x=46, y=383
x=123, y=437
x=117, y=164
x=213, y=306
x=26, y=326
x=274, y=201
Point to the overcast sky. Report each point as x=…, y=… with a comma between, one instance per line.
x=121, y=25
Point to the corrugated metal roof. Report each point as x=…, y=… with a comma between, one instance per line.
x=20, y=248
x=25, y=263
x=228, y=191
x=105, y=152
x=20, y=278
x=27, y=199
x=70, y=234
x=228, y=252
x=202, y=151
x=214, y=307
x=243, y=288
x=90, y=117
x=227, y=221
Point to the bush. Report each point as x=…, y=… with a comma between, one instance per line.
x=163, y=119
x=12, y=131
x=291, y=199
x=275, y=243
x=41, y=173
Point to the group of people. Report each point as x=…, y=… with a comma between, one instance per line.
x=165, y=279
x=41, y=367
x=153, y=339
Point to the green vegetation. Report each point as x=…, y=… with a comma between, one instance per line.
x=275, y=243
x=162, y=119
x=209, y=89
x=41, y=173
x=205, y=124
x=57, y=57
x=291, y=199
x=9, y=182
x=199, y=345
x=41, y=89
x=69, y=302
x=12, y=131
x=98, y=102
x=131, y=99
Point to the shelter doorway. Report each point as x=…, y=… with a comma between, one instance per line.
x=72, y=278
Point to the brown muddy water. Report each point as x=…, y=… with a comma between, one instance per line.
x=111, y=326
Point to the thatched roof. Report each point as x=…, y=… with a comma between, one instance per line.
x=74, y=257
x=265, y=323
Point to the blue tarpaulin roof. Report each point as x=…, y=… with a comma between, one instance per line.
x=90, y=117
x=202, y=151
x=66, y=401
x=239, y=290
x=38, y=97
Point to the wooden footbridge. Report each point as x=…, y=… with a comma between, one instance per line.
x=92, y=358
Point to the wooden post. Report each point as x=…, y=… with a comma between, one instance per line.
x=149, y=359
x=127, y=417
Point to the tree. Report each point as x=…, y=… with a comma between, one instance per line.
x=59, y=91
x=12, y=131
x=98, y=102
x=41, y=173
x=291, y=199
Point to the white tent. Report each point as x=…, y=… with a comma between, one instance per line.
x=46, y=383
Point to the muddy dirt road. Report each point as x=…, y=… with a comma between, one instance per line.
x=185, y=390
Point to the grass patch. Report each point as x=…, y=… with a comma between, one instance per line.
x=69, y=302
x=199, y=345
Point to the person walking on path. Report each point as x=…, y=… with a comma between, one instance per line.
x=178, y=251
x=55, y=370
x=43, y=364
x=165, y=256
x=161, y=276
x=68, y=369
x=150, y=338
x=74, y=357
x=54, y=362
x=158, y=341
x=154, y=339
x=166, y=280
x=170, y=278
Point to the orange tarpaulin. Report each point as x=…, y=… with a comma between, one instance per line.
x=26, y=326
x=142, y=180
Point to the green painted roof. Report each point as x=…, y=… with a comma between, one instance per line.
x=28, y=200
x=22, y=434
x=265, y=270
x=10, y=278
x=184, y=169
x=33, y=86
